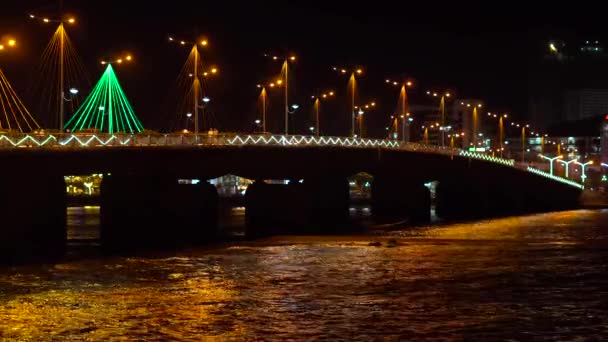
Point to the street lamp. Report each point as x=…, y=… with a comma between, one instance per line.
x=583, y=174
x=62, y=42
x=353, y=84
x=196, y=73
x=403, y=104
x=360, y=113
x=567, y=164
x=551, y=160
x=443, y=128
x=285, y=74
x=317, y=109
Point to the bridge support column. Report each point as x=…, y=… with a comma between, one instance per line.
x=33, y=215
x=319, y=205
x=394, y=198
x=156, y=211
x=273, y=208
x=461, y=199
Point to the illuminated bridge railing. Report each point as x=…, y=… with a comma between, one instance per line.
x=555, y=178
x=503, y=161
x=90, y=140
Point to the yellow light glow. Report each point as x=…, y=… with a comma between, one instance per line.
x=182, y=42
x=71, y=20
x=12, y=42
x=279, y=82
x=447, y=94
x=214, y=70
x=343, y=71
x=271, y=85
x=129, y=57
x=331, y=93
x=170, y=39
x=409, y=83
x=293, y=58
x=103, y=63
x=359, y=71
x=46, y=20
x=205, y=73
x=275, y=57
x=373, y=104
x=204, y=42
x=1, y=47
x=119, y=61
x=324, y=95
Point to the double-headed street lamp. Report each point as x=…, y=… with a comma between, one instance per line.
x=443, y=128
x=360, y=115
x=285, y=79
x=551, y=160
x=567, y=164
x=196, y=73
x=583, y=166
x=317, y=106
x=403, y=105
x=352, y=85
x=62, y=42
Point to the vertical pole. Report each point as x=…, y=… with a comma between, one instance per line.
x=442, y=112
x=264, y=109
x=403, y=128
x=352, y=130
x=500, y=134
x=286, y=97
x=523, y=144
x=475, y=128
x=317, y=103
x=195, y=89
x=61, y=76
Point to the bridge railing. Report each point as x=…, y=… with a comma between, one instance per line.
x=93, y=140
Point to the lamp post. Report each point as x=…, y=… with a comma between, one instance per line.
x=285, y=78
x=352, y=82
x=317, y=105
x=583, y=174
x=62, y=42
x=403, y=103
x=567, y=164
x=360, y=115
x=442, y=119
x=551, y=160
x=196, y=74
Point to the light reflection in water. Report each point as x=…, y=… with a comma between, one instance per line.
x=539, y=276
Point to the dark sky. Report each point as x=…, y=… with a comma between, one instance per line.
x=477, y=50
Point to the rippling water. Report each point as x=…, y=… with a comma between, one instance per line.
x=534, y=277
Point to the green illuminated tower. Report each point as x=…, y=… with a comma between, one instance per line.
x=106, y=109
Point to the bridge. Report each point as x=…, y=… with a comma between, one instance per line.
x=143, y=204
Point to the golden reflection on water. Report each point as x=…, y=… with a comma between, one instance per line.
x=488, y=280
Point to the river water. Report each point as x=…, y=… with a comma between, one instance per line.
x=541, y=276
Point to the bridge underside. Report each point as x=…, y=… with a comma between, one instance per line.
x=143, y=192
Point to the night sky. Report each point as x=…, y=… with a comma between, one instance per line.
x=476, y=50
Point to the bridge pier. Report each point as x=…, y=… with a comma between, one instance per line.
x=460, y=199
x=319, y=205
x=155, y=211
x=395, y=198
x=33, y=214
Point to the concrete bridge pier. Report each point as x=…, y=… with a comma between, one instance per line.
x=153, y=211
x=33, y=217
x=274, y=208
x=458, y=199
x=394, y=197
x=318, y=205
x=327, y=203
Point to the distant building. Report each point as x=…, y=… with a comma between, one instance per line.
x=569, y=83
